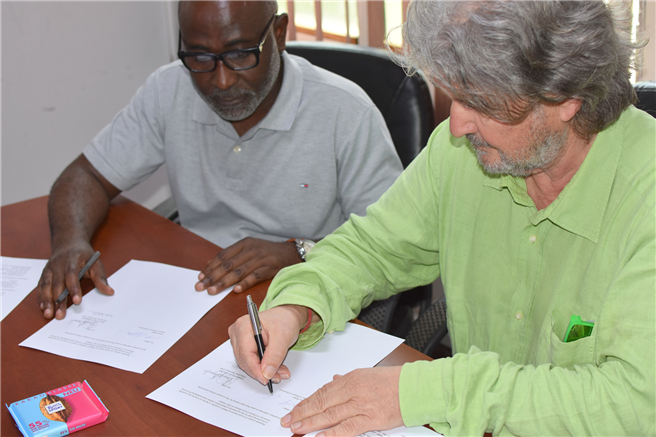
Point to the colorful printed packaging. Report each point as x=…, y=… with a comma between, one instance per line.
x=59, y=412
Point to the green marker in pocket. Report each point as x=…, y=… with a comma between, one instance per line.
x=578, y=329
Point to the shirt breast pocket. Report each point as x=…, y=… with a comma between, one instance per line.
x=552, y=349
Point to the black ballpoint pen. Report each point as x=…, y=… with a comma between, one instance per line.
x=86, y=267
x=257, y=331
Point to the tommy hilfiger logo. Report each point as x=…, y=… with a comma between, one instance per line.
x=305, y=186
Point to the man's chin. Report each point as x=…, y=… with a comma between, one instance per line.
x=490, y=168
x=499, y=169
x=484, y=158
x=495, y=166
x=230, y=117
x=232, y=114
x=237, y=109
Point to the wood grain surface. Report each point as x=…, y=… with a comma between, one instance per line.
x=129, y=232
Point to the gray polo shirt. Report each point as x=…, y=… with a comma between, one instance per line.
x=322, y=153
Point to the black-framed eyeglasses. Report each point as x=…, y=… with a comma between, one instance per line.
x=241, y=59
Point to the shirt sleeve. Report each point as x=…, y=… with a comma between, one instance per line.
x=131, y=147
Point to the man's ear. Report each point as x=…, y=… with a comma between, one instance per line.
x=568, y=109
x=280, y=31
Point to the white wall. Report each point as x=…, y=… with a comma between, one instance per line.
x=67, y=69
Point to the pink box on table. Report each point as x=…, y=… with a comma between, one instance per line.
x=59, y=412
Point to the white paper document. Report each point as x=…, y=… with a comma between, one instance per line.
x=215, y=390
x=19, y=277
x=153, y=306
x=401, y=431
x=415, y=431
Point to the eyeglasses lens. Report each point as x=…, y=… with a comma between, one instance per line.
x=235, y=60
x=240, y=60
x=199, y=62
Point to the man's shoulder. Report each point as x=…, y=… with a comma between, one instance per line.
x=636, y=130
x=172, y=72
x=169, y=87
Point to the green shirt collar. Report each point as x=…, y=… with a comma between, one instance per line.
x=581, y=206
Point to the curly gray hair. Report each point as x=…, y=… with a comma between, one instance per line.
x=502, y=58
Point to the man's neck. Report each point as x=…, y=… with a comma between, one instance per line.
x=546, y=184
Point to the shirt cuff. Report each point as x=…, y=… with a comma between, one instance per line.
x=420, y=393
x=315, y=332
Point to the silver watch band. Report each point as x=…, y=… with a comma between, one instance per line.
x=303, y=246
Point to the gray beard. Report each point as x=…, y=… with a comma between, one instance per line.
x=253, y=98
x=543, y=149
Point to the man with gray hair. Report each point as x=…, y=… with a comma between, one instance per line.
x=535, y=204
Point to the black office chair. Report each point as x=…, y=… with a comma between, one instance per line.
x=406, y=105
x=429, y=329
x=646, y=92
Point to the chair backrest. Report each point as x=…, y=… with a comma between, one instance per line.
x=646, y=92
x=404, y=101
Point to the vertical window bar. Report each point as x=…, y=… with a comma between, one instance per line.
x=348, y=29
x=291, y=27
x=376, y=23
x=317, y=14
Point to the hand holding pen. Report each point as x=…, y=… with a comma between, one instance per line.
x=62, y=275
x=86, y=267
x=280, y=328
x=257, y=331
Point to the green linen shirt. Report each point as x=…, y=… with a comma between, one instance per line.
x=513, y=276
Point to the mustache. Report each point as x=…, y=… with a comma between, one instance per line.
x=477, y=141
x=229, y=94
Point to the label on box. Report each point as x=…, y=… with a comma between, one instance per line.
x=53, y=408
x=59, y=412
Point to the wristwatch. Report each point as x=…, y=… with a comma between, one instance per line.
x=304, y=246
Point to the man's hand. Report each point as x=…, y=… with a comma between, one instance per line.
x=62, y=272
x=245, y=264
x=280, y=328
x=360, y=401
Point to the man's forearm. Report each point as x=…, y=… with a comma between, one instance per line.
x=78, y=204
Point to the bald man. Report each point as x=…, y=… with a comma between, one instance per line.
x=261, y=148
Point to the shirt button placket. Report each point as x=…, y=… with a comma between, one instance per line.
x=235, y=162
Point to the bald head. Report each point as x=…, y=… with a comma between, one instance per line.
x=230, y=9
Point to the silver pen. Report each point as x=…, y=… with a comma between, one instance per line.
x=86, y=267
x=257, y=331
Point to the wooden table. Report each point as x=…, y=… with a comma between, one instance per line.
x=129, y=232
